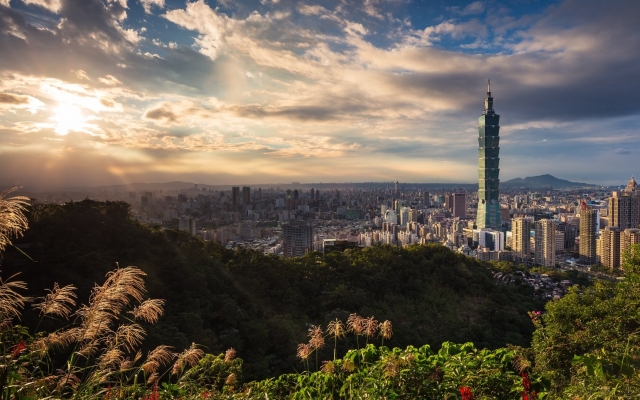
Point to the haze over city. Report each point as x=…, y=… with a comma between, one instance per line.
x=231, y=92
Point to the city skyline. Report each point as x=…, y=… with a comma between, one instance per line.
x=248, y=92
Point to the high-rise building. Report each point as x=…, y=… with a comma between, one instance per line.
x=459, y=205
x=235, y=196
x=628, y=238
x=404, y=216
x=448, y=201
x=545, y=242
x=297, y=238
x=609, y=247
x=488, y=215
x=413, y=215
x=187, y=224
x=427, y=199
x=588, y=229
x=397, y=206
x=520, y=238
x=624, y=207
x=569, y=231
x=246, y=195
x=390, y=216
x=490, y=239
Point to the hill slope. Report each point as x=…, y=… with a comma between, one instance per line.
x=541, y=181
x=262, y=305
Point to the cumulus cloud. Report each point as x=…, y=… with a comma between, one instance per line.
x=146, y=4
x=162, y=113
x=212, y=26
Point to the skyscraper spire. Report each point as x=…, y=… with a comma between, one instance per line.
x=488, y=102
x=488, y=215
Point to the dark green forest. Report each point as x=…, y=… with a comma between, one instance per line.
x=263, y=305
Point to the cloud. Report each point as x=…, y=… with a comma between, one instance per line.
x=12, y=102
x=275, y=86
x=477, y=7
x=51, y=5
x=109, y=80
x=162, y=113
x=146, y=4
x=212, y=26
x=308, y=10
x=371, y=9
x=81, y=74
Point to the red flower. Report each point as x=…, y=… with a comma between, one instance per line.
x=19, y=348
x=206, y=395
x=527, y=394
x=526, y=382
x=466, y=393
x=154, y=395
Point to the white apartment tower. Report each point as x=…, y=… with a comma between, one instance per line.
x=545, y=242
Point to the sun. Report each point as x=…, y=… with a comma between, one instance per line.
x=68, y=117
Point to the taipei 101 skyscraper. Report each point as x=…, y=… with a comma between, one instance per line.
x=488, y=166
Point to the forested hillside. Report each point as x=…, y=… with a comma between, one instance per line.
x=262, y=305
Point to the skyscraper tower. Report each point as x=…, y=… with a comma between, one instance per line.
x=488, y=166
x=521, y=239
x=588, y=223
x=545, y=241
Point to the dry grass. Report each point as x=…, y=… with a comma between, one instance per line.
x=304, y=351
x=12, y=219
x=129, y=336
x=187, y=358
x=229, y=355
x=370, y=327
x=336, y=329
x=316, y=335
x=107, y=346
x=355, y=324
x=149, y=310
x=386, y=330
x=158, y=357
x=11, y=302
x=58, y=302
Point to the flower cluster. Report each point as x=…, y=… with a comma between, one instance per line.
x=466, y=394
x=535, y=315
x=527, y=394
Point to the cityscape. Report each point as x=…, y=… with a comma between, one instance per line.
x=570, y=227
x=305, y=199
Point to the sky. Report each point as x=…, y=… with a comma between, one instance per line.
x=99, y=92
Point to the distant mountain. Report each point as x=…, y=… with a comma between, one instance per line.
x=541, y=181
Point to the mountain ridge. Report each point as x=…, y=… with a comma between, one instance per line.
x=545, y=180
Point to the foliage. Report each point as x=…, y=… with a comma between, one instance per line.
x=261, y=305
x=588, y=342
x=412, y=373
x=585, y=345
